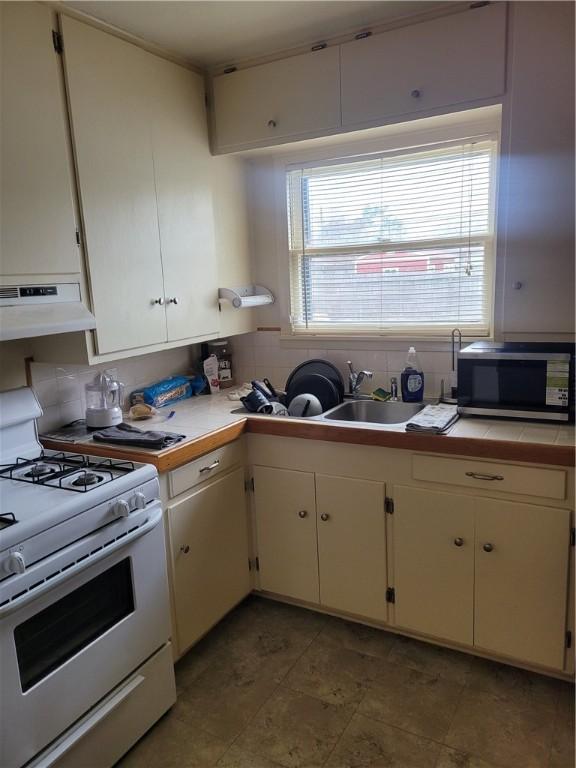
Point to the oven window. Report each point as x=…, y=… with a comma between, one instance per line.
x=45, y=641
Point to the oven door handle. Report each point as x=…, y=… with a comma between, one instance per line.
x=84, y=727
x=81, y=565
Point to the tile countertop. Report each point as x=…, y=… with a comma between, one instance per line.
x=208, y=423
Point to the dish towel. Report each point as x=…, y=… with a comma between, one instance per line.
x=433, y=420
x=125, y=434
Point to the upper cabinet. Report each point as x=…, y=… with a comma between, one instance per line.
x=419, y=68
x=38, y=226
x=536, y=216
x=183, y=170
x=141, y=147
x=424, y=66
x=278, y=100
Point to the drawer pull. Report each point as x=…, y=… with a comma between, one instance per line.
x=480, y=476
x=458, y=541
x=488, y=547
x=210, y=467
x=324, y=516
x=302, y=513
x=185, y=549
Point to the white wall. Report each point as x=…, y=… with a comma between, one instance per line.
x=264, y=354
x=60, y=388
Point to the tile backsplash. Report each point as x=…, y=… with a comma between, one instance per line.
x=60, y=388
x=265, y=354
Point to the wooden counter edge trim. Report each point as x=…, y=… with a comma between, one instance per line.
x=164, y=461
x=541, y=453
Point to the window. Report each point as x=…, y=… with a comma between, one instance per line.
x=395, y=243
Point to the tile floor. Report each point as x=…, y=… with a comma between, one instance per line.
x=273, y=685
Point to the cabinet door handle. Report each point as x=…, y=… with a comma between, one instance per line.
x=488, y=547
x=416, y=93
x=173, y=300
x=185, y=549
x=303, y=513
x=480, y=476
x=210, y=467
x=158, y=301
x=324, y=516
x=458, y=541
x=272, y=123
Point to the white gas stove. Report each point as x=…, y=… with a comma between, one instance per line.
x=37, y=495
x=83, y=599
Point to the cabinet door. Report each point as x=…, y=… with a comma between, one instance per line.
x=521, y=581
x=280, y=99
x=38, y=232
x=352, y=545
x=285, y=507
x=536, y=216
x=109, y=102
x=209, y=549
x=182, y=167
x=434, y=563
x=436, y=63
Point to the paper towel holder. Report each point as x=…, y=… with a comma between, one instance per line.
x=246, y=296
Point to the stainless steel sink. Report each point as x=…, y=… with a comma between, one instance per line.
x=373, y=412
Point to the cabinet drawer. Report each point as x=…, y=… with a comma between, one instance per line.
x=506, y=478
x=204, y=468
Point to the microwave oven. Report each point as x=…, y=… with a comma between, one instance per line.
x=517, y=380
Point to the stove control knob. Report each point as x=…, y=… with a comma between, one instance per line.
x=139, y=500
x=121, y=508
x=15, y=563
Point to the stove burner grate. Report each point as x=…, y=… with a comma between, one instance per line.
x=7, y=519
x=51, y=470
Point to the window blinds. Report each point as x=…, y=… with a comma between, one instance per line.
x=395, y=243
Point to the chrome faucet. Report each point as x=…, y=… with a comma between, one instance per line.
x=355, y=379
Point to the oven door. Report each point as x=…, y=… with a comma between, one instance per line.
x=65, y=647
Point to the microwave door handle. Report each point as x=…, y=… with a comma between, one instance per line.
x=64, y=746
x=81, y=565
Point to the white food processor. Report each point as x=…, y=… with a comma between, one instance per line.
x=103, y=401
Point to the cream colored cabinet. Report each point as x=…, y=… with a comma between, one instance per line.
x=142, y=156
x=536, y=214
x=521, y=567
x=352, y=545
x=482, y=572
x=277, y=100
x=449, y=60
x=322, y=539
x=208, y=540
x=285, y=511
x=183, y=171
x=433, y=550
x=38, y=225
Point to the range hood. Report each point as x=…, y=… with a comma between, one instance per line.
x=38, y=309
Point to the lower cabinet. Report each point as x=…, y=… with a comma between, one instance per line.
x=322, y=539
x=433, y=546
x=521, y=567
x=482, y=572
x=208, y=533
x=352, y=545
x=285, y=507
